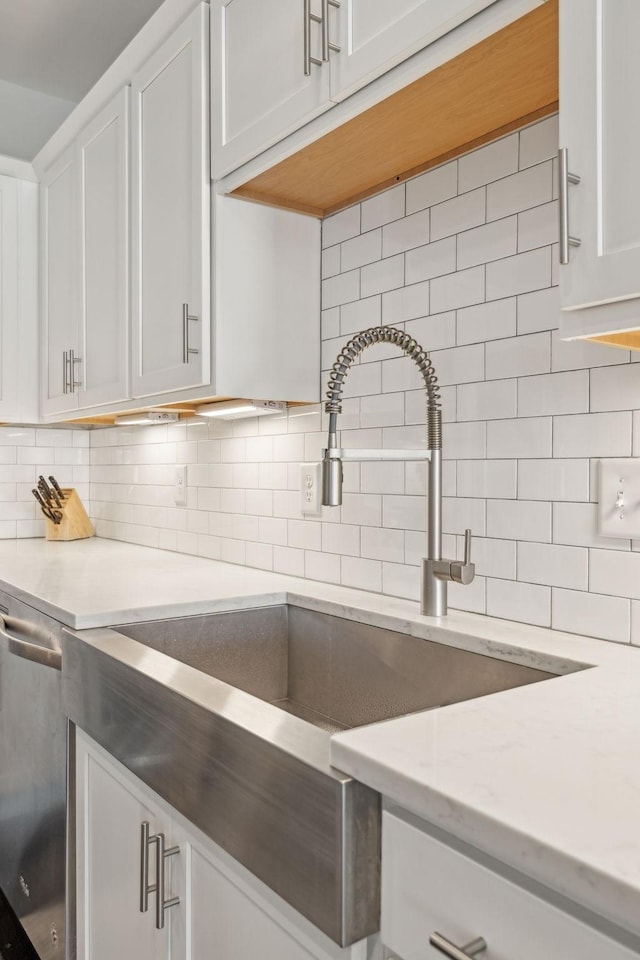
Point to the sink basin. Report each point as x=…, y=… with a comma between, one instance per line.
x=228, y=717
x=333, y=673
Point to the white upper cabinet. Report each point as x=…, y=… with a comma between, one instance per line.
x=85, y=288
x=59, y=233
x=18, y=298
x=599, y=97
x=277, y=65
x=103, y=172
x=171, y=214
x=375, y=35
x=263, y=81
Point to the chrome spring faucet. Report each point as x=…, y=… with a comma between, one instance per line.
x=436, y=571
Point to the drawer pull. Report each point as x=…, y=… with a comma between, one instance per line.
x=450, y=950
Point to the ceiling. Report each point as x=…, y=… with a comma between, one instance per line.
x=56, y=49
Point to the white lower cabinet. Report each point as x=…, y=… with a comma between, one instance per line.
x=429, y=887
x=222, y=913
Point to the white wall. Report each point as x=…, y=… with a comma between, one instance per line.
x=464, y=258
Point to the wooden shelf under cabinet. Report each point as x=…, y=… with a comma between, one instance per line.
x=507, y=80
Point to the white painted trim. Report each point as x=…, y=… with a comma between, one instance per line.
x=21, y=169
x=154, y=33
x=484, y=24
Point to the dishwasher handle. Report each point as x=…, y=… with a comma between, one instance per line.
x=31, y=642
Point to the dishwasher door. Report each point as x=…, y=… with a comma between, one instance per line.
x=33, y=777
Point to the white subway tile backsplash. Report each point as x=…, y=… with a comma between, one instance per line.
x=523, y=190
x=539, y=310
x=519, y=520
x=432, y=260
x=487, y=478
x=487, y=321
x=615, y=573
x=615, y=388
x=465, y=441
x=361, y=250
x=518, y=356
x=519, y=274
x=401, y=235
x=462, y=513
x=489, y=163
x=341, y=226
x=461, y=289
x=361, y=573
x=432, y=187
x=460, y=364
x=492, y=241
x=554, y=565
x=553, y=480
x=385, y=544
x=488, y=400
x=383, y=275
x=340, y=289
x=538, y=226
x=592, y=435
x=331, y=261
x=435, y=332
x=528, y=437
x=513, y=600
x=554, y=393
x=406, y=303
x=383, y=208
x=458, y=214
x=493, y=558
x=580, y=612
x=539, y=142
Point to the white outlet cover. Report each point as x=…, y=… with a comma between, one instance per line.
x=311, y=489
x=180, y=494
x=619, y=498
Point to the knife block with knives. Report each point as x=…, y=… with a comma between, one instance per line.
x=63, y=511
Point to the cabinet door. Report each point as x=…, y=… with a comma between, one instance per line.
x=171, y=214
x=375, y=35
x=59, y=279
x=259, y=89
x=600, y=96
x=109, y=813
x=103, y=170
x=225, y=922
x=9, y=298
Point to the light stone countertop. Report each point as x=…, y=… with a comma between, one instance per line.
x=545, y=778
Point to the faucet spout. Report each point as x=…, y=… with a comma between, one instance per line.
x=436, y=572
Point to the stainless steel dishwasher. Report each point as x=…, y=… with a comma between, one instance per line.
x=34, y=778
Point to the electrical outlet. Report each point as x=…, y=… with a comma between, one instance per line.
x=310, y=489
x=180, y=489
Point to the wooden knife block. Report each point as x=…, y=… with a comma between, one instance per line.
x=75, y=524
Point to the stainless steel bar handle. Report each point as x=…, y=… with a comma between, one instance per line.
x=564, y=179
x=73, y=383
x=327, y=45
x=310, y=18
x=468, y=952
x=146, y=840
x=187, y=351
x=162, y=904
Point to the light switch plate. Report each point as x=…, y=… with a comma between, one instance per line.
x=180, y=495
x=619, y=498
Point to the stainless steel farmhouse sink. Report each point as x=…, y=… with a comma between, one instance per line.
x=228, y=716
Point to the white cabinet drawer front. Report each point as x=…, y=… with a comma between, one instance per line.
x=427, y=886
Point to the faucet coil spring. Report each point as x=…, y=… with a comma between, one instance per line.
x=367, y=338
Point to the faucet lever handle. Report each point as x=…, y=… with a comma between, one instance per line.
x=467, y=546
x=463, y=571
